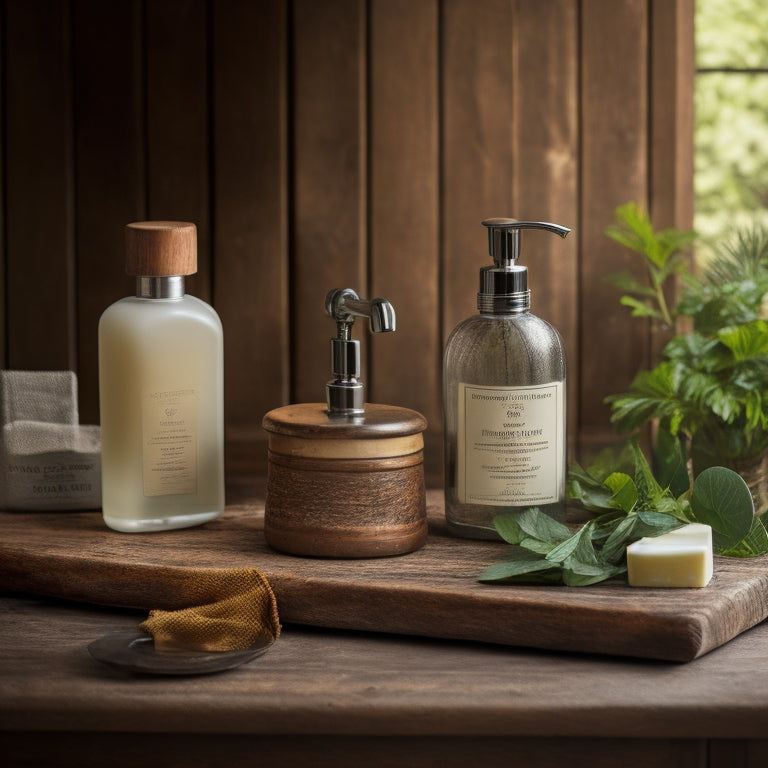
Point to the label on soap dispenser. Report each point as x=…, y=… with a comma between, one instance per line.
x=510, y=444
x=169, y=428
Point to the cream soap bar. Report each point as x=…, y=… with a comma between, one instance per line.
x=680, y=558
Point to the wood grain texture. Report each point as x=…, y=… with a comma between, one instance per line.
x=344, y=143
x=477, y=150
x=329, y=181
x=404, y=236
x=431, y=592
x=311, y=420
x=177, y=124
x=4, y=330
x=382, y=688
x=672, y=76
x=614, y=171
x=546, y=178
x=322, y=751
x=250, y=187
x=110, y=170
x=40, y=182
x=346, y=508
x=345, y=486
x=160, y=248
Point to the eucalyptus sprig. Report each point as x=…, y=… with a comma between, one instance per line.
x=626, y=508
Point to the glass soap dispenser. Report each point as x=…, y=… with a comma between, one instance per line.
x=504, y=374
x=161, y=390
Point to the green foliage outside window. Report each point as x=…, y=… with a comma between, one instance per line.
x=731, y=139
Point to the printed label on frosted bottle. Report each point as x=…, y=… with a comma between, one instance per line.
x=169, y=429
x=510, y=444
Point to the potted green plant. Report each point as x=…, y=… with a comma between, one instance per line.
x=710, y=387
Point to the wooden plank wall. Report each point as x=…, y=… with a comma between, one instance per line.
x=337, y=143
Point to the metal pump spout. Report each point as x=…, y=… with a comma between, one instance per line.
x=504, y=286
x=344, y=393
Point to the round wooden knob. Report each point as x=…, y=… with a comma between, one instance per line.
x=160, y=248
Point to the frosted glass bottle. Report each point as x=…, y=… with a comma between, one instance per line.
x=504, y=399
x=161, y=390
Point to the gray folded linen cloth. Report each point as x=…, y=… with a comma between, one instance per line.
x=48, y=460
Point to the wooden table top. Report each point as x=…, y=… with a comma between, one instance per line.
x=333, y=681
x=317, y=689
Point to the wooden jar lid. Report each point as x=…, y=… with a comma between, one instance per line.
x=160, y=248
x=307, y=429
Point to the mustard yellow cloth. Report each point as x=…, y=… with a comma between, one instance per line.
x=239, y=610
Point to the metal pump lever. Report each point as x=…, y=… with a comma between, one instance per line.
x=344, y=394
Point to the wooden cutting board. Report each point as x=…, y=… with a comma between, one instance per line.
x=431, y=592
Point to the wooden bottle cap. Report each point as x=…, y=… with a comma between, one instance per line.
x=160, y=248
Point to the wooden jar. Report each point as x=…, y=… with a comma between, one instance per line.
x=345, y=486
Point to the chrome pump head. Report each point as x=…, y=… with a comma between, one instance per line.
x=504, y=286
x=344, y=393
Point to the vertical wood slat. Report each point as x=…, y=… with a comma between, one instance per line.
x=4, y=329
x=110, y=179
x=672, y=113
x=404, y=209
x=546, y=136
x=477, y=156
x=329, y=181
x=672, y=126
x=39, y=178
x=250, y=266
x=178, y=158
x=614, y=170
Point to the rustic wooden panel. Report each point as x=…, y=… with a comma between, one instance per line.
x=250, y=266
x=477, y=149
x=177, y=152
x=614, y=170
x=394, y=129
x=404, y=210
x=39, y=180
x=110, y=172
x=329, y=179
x=546, y=179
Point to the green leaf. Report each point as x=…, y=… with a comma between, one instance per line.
x=523, y=566
x=755, y=543
x=537, y=545
x=655, y=523
x=576, y=543
x=541, y=526
x=640, y=308
x=648, y=489
x=723, y=500
x=508, y=528
x=528, y=526
x=746, y=341
x=615, y=546
x=670, y=463
x=584, y=576
x=586, y=490
x=624, y=491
